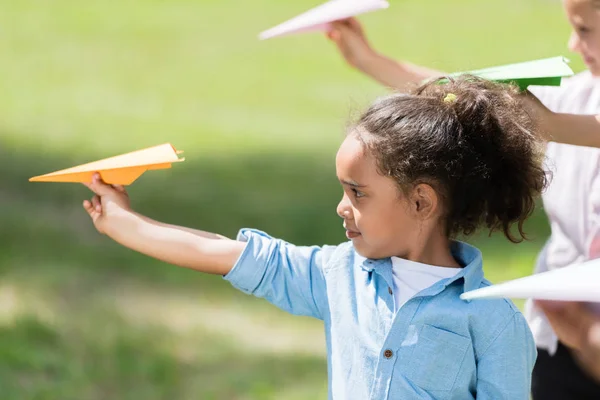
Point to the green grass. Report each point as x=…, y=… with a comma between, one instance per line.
x=82, y=318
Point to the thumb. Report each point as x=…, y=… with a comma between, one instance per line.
x=99, y=187
x=355, y=25
x=594, y=335
x=334, y=35
x=344, y=30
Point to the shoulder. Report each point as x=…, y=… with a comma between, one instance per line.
x=259, y=241
x=576, y=88
x=493, y=319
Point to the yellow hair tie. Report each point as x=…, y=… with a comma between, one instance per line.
x=450, y=97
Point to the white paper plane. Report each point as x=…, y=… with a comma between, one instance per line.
x=319, y=18
x=579, y=282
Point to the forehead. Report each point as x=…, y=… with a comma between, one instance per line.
x=582, y=10
x=353, y=162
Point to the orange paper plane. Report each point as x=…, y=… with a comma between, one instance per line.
x=119, y=170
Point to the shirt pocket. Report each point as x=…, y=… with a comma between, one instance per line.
x=437, y=358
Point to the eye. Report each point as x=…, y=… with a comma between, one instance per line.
x=357, y=193
x=582, y=30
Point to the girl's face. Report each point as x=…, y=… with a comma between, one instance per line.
x=378, y=218
x=584, y=17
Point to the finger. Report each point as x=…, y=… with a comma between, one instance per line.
x=345, y=29
x=550, y=305
x=337, y=25
x=120, y=188
x=98, y=186
x=557, y=314
x=594, y=336
x=355, y=25
x=343, y=21
x=334, y=35
x=97, y=204
x=89, y=208
x=578, y=310
x=87, y=205
x=568, y=322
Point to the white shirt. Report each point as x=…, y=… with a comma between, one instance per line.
x=572, y=200
x=411, y=277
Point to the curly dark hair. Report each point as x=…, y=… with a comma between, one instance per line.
x=471, y=140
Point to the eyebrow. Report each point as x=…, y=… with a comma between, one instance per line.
x=351, y=183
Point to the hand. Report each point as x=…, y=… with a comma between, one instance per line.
x=540, y=114
x=578, y=328
x=571, y=321
x=109, y=202
x=350, y=39
x=589, y=358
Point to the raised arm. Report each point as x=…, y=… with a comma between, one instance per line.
x=579, y=130
x=288, y=276
x=184, y=247
x=578, y=328
x=574, y=129
x=352, y=43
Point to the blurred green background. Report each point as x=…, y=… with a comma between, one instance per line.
x=259, y=123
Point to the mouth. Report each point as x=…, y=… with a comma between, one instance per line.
x=351, y=234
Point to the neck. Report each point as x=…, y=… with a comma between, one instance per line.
x=433, y=250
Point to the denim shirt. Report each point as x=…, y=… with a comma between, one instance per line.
x=436, y=346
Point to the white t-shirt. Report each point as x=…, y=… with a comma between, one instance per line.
x=572, y=200
x=411, y=277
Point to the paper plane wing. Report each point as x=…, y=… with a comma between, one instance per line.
x=123, y=169
x=574, y=283
x=543, y=72
x=319, y=17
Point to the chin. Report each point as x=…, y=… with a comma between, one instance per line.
x=365, y=251
x=595, y=70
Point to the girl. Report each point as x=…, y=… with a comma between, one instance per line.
x=416, y=171
x=571, y=202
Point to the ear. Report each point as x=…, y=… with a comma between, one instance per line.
x=424, y=201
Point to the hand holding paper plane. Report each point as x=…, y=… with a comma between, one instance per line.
x=575, y=283
x=123, y=169
x=320, y=17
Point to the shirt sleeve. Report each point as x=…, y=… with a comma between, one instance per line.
x=504, y=369
x=288, y=276
x=592, y=239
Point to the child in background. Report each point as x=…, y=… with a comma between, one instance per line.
x=416, y=171
x=572, y=201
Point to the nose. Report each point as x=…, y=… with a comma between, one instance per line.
x=574, y=43
x=344, y=208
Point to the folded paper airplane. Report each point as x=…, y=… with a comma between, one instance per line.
x=319, y=18
x=543, y=72
x=123, y=169
x=574, y=283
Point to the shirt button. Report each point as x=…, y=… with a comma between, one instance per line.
x=390, y=290
x=388, y=353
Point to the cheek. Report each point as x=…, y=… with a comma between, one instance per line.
x=385, y=221
x=401, y=222
x=593, y=47
x=590, y=44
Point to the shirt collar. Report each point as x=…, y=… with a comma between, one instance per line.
x=467, y=255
